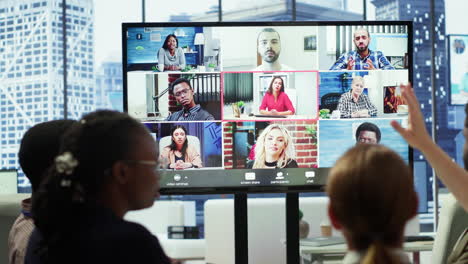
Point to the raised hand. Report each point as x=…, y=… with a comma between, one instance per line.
x=416, y=133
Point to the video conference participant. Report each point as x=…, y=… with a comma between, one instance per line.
x=362, y=58
x=276, y=101
x=179, y=154
x=183, y=92
x=372, y=197
x=106, y=167
x=170, y=56
x=269, y=48
x=354, y=103
x=274, y=149
x=368, y=133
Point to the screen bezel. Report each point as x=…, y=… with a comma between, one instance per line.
x=320, y=186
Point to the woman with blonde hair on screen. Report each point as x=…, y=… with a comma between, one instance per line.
x=274, y=149
x=372, y=197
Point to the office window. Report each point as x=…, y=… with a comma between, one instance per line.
x=182, y=10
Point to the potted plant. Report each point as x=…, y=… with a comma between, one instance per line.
x=241, y=106
x=324, y=113
x=155, y=68
x=211, y=67
x=312, y=131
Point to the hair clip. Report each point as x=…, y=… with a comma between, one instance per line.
x=65, y=163
x=65, y=183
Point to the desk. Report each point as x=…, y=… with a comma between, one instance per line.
x=288, y=117
x=183, y=249
x=336, y=252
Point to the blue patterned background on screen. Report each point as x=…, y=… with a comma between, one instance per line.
x=145, y=51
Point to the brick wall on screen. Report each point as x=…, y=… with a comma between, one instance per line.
x=305, y=144
x=228, y=142
x=173, y=106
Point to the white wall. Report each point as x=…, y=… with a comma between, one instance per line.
x=326, y=46
x=455, y=13
x=239, y=48
x=306, y=91
x=137, y=94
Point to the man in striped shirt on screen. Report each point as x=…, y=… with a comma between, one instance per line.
x=362, y=58
x=183, y=92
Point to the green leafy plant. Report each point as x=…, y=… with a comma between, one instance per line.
x=186, y=69
x=312, y=130
x=155, y=68
x=324, y=113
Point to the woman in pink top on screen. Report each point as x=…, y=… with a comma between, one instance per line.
x=276, y=101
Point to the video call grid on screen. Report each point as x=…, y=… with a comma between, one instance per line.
x=232, y=69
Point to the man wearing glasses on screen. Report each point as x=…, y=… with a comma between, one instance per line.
x=269, y=48
x=183, y=93
x=362, y=58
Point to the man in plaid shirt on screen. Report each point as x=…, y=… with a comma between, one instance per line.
x=354, y=103
x=362, y=58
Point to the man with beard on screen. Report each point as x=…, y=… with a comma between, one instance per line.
x=269, y=48
x=362, y=58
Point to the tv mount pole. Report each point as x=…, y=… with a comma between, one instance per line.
x=241, y=228
x=241, y=241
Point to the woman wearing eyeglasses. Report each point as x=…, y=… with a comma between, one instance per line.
x=180, y=154
x=106, y=167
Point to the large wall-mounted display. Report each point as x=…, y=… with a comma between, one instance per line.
x=264, y=107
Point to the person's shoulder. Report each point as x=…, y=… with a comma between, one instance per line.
x=347, y=54
x=127, y=232
x=190, y=147
x=166, y=149
x=133, y=241
x=205, y=115
x=292, y=163
x=173, y=116
x=346, y=95
x=377, y=52
x=250, y=164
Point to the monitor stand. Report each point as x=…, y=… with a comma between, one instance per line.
x=241, y=232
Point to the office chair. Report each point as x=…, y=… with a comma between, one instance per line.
x=452, y=223
x=330, y=101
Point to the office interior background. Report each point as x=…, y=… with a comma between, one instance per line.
x=32, y=63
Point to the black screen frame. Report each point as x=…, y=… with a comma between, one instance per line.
x=320, y=183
